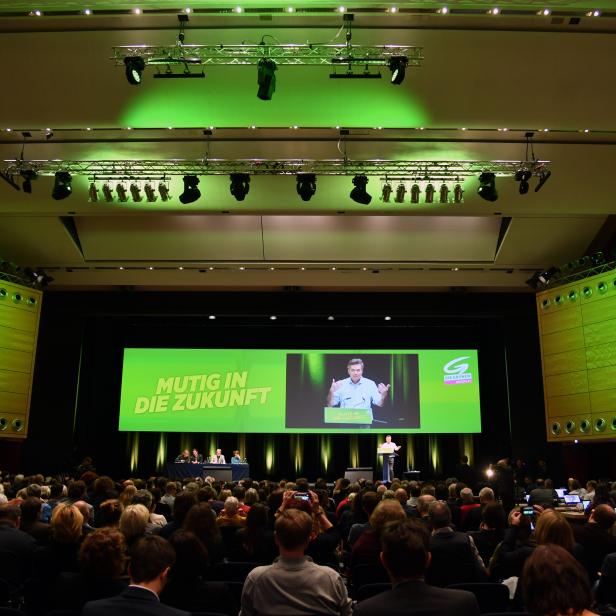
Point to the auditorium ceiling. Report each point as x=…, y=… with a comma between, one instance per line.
x=485, y=81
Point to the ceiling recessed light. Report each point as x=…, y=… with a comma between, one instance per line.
x=388, y=318
x=212, y=317
x=444, y=10
x=272, y=268
x=137, y=11
x=211, y=268
x=546, y=12
x=330, y=318
x=238, y=9
x=393, y=9
x=363, y=269
x=187, y=10
x=290, y=9
x=121, y=267
x=87, y=11
x=341, y=9
x=242, y=268
x=150, y=268
x=180, y=268
x=273, y=317
x=333, y=269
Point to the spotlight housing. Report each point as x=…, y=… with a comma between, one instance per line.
x=443, y=193
x=358, y=193
x=150, y=192
x=306, y=185
x=415, y=192
x=458, y=193
x=522, y=176
x=400, y=192
x=28, y=175
x=240, y=185
x=544, y=176
x=397, y=66
x=135, y=66
x=121, y=192
x=386, y=193
x=62, y=186
x=163, y=191
x=430, y=190
x=191, y=192
x=487, y=186
x=93, y=193
x=266, y=78
x=107, y=192
x=135, y=192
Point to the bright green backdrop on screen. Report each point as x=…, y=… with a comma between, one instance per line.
x=235, y=390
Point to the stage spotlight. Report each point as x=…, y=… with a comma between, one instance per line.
x=134, y=68
x=359, y=194
x=522, y=176
x=191, y=192
x=386, y=193
x=400, y=192
x=415, y=192
x=266, y=78
x=163, y=191
x=62, y=186
x=397, y=66
x=28, y=175
x=93, y=193
x=306, y=185
x=458, y=193
x=240, y=185
x=135, y=192
x=150, y=192
x=122, y=193
x=430, y=190
x=443, y=193
x=487, y=186
x=544, y=176
x=107, y=192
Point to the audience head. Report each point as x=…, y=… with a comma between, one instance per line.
x=102, y=554
x=66, y=523
x=150, y=560
x=133, y=521
x=145, y=498
x=231, y=506
x=109, y=513
x=552, y=527
x=554, y=583
x=440, y=515
x=386, y=511
x=486, y=495
x=76, y=490
x=466, y=494
x=191, y=555
x=201, y=521
x=182, y=505
x=30, y=510
x=405, y=550
x=10, y=514
x=423, y=504
x=293, y=529
x=603, y=515
x=87, y=511
x=493, y=516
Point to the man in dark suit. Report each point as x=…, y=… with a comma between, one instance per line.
x=405, y=555
x=16, y=546
x=151, y=559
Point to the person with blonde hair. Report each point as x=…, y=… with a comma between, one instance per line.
x=133, y=521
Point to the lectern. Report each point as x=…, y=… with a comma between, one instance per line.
x=386, y=453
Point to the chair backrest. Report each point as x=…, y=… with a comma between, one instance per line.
x=371, y=590
x=491, y=596
x=232, y=572
x=368, y=574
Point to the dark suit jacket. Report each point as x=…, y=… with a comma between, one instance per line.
x=416, y=598
x=132, y=602
x=597, y=544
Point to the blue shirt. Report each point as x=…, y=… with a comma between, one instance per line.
x=360, y=395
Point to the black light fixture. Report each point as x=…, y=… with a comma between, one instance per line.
x=487, y=186
x=359, y=194
x=443, y=193
x=135, y=192
x=400, y=192
x=163, y=191
x=135, y=66
x=150, y=192
x=93, y=192
x=191, y=192
x=458, y=193
x=108, y=192
x=240, y=185
x=522, y=176
x=415, y=192
x=266, y=78
x=121, y=192
x=306, y=185
x=430, y=190
x=386, y=193
x=28, y=175
x=62, y=186
x=397, y=66
x=544, y=176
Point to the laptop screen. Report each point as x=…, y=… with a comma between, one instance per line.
x=561, y=492
x=572, y=499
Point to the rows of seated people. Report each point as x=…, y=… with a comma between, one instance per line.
x=63, y=545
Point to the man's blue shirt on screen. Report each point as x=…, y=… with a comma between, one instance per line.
x=360, y=395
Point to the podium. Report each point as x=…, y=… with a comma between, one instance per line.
x=387, y=454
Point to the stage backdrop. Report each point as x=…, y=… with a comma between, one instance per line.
x=275, y=391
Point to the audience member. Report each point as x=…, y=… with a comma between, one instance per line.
x=18, y=544
x=294, y=584
x=133, y=522
x=201, y=521
x=405, y=556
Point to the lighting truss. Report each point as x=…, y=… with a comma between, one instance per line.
x=305, y=55
x=394, y=170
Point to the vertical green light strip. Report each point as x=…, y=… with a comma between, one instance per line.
x=467, y=446
x=297, y=452
x=161, y=452
x=326, y=451
x=241, y=445
x=410, y=451
x=353, y=451
x=316, y=367
x=270, y=454
x=213, y=446
x=134, y=452
x=185, y=441
x=379, y=459
x=435, y=458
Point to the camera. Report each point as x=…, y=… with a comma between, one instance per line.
x=302, y=496
x=528, y=511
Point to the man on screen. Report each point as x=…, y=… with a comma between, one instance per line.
x=356, y=392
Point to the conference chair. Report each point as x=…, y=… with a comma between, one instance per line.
x=367, y=574
x=231, y=572
x=491, y=596
x=370, y=590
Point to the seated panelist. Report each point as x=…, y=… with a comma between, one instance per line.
x=183, y=458
x=196, y=457
x=218, y=458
